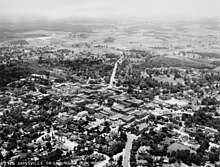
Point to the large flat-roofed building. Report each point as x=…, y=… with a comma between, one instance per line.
x=82, y=113
x=120, y=99
x=126, y=110
x=98, y=109
x=91, y=107
x=128, y=119
x=116, y=117
x=105, y=93
x=70, y=105
x=99, y=116
x=126, y=104
x=107, y=111
x=104, y=113
x=132, y=112
x=140, y=114
x=119, y=108
x=80, y=101
x=142, y=127
x=65, y=119
x=149, y=106
x=134, y=102
x=72, y=112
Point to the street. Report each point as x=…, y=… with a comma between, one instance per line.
x=128, y=146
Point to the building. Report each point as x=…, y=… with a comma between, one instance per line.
x=103, y=112
x=64, y=119
x=134, y=102
x=116, y=117
x=140, y=114
x=91, y=107
x=98, y=109
x=82, y=113
x=70, y=105
x=128, y=119
x=99, y=115
x=119, y=108
x=142, y=127
x=72, y=112
x=79, y=101
x=149, y=106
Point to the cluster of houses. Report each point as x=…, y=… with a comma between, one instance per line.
x=80, y=118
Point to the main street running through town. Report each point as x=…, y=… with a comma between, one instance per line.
x=112, y=79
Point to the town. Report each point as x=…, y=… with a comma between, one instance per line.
x=62, y=108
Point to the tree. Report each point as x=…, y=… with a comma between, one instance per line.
x=209, y=101
x=151, y=117
x=110, y=102
x=170, y=126
x=119, y=162
x=213, y=157
x=149, y=159
x=111, y=159
x=205, y=144
x=177, y=75
x=1, y=156
x=198, y=160
x=213, y=149
x=48, y=145
x=9, y=155
x=172, y=160
x=130, y=89
x=123, y=136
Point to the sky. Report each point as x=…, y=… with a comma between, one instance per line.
x=56, y=9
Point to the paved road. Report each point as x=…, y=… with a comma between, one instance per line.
x=103, y=163
x=114, y=71
x=181, y=132
x=87, y=82
x=128, y=146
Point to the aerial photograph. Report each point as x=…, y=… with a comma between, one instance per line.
x=109, y=83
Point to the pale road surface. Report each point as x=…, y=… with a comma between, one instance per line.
x=88, y=80
x=114, y=71
x=128, y=146
x=180, y=132
x=105, y=162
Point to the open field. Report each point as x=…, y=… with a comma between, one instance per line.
x=187, y=43
x=164, y=78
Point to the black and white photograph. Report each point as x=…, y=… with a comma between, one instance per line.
x=109, y=83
